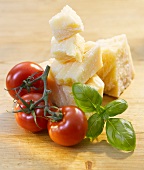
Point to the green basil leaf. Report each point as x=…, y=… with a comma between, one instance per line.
x=120, y=134
x=116, y=107
x=86, y=97
x=95, y=126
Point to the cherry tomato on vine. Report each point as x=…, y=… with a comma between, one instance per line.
x=19, y=73
x=26, y=120
x=71, y=129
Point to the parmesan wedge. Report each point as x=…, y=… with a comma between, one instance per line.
x=71, y=49
x=65, y=24
x=68, y=73
x=62, y=94
x=117, y=71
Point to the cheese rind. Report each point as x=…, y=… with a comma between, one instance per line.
x=118, y=70
x=71, y=49
x=71, y=72
x=66, y=23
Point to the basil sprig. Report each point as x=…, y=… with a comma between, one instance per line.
x=120, y=132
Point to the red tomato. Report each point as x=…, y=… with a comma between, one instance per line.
x=71, y=129
x=21, y=72
x=26, y=120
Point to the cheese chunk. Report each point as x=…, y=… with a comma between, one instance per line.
x=68, y=73
x=96, y=83
x=62, y=94
x=65, y=24
x=71, y=49
x=117, y=71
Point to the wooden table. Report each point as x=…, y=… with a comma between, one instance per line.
x=25, y=35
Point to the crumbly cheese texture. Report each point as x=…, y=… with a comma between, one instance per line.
x=118, y=70
x=71, y=72
x=62, y=94
x=71, y=49
x=65, y=24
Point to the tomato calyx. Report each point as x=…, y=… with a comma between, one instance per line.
x=29, y=107
x=55, y=116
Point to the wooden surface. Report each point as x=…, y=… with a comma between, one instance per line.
x=25, y=35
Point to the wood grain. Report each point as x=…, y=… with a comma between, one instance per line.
x=25, y=35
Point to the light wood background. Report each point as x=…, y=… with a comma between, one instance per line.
x=25, y=35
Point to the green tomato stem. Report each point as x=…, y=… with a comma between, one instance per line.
x=55, y=116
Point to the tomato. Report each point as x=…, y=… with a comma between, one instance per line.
x=71, y=129
x=26, y=120
x=21, y=72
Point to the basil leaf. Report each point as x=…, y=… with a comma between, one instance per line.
x=115, y=107
x=86, y=97
x=95, y=126
x=120, y=134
